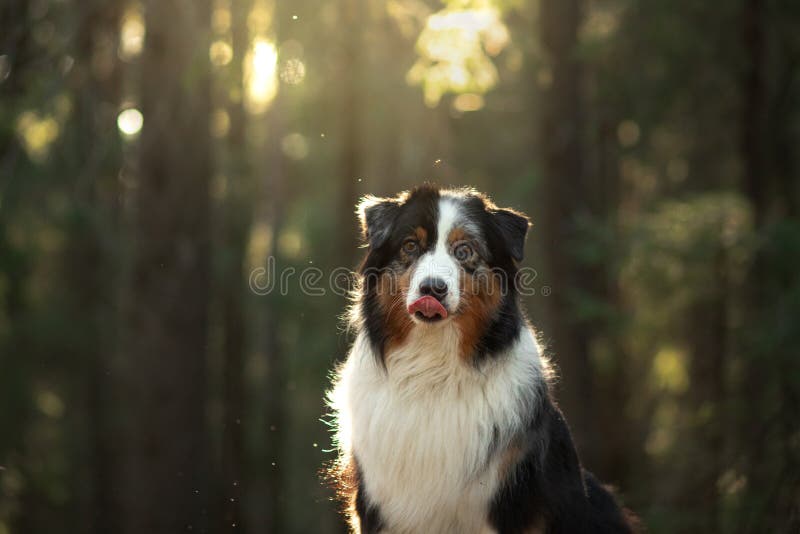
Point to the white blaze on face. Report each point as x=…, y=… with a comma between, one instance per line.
x=437, y=262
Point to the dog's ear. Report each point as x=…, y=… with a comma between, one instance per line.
x=513, y=227
x=377, y=217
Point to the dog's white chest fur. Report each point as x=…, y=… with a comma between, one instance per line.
x=426, y=431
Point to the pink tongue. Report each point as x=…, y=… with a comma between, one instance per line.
x=427, y=306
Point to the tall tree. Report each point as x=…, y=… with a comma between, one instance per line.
x=270, y=170
x=768, y=115
x=90, y=260
x=164, y=485
x=753, y=108
x=350, y=158
x=706, y=336
x=234, y=218
x=564, y=202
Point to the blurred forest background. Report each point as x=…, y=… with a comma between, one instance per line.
x=153, y=154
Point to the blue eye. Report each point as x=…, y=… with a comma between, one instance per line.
x=463, y=252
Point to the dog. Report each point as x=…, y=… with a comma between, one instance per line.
x=443, y=413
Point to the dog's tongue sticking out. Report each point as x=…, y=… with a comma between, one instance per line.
x=428, y=306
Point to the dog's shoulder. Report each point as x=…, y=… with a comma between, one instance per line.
x=548, y=486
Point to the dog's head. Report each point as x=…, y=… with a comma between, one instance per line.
x=440, y=257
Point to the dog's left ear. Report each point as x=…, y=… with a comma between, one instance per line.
x=514, y=227
x=377, y=216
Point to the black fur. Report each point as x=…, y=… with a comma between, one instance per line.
x=505, y=233
x=385, y=225
x=549, y=486
x=502, y=332
x=368, y=514
x=514, y=228
x=386, y=222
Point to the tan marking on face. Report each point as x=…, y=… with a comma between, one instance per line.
x=392, y=290
x=457, y=234
x=481, y=295
x=422, y=236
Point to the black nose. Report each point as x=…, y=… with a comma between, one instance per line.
x=435, y=287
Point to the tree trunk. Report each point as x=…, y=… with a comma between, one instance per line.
x=753, y=109
x=268, y=485
x=235, y=219
x=275, y=391
x=164, y=482
x=613, y=388
x=755, y=187
x=91, y=260
x=564, y=199
x=350, y=142
x=707, y=328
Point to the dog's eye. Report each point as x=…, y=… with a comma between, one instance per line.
x=410, y=246
x=463, y=252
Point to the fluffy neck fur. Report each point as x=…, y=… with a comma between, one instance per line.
x=427, y=431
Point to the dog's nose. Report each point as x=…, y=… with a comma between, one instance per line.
x=435, y=287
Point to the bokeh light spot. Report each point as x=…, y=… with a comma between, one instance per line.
x=221, y=19
x=293, y=71
x=678, y=170
x=295, y=146
x=669, y=368
x=49, y=403
x=468, y=102
x=132, y=32
x=220, y=123
x=628, y=133
x=544, y=77
x=291, y=243
x=260, y=17
x=260, y=73
x=130, y=122
x=454, y=52
x=220, y=53
x=37, y=133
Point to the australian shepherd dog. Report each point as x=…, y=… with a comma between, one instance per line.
x=443, y=411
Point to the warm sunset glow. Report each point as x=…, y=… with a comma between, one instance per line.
x=261, y=75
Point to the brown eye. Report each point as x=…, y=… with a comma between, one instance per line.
x=463, y=252
x=410, y=246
